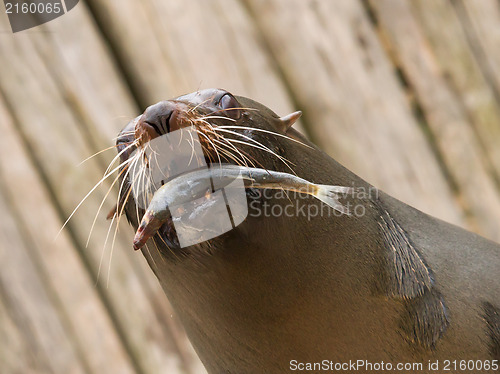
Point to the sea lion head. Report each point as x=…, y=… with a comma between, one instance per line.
x=228, y=129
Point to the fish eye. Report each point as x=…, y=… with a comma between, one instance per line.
x=231, y=106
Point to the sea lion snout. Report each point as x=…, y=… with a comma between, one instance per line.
x=161, y=118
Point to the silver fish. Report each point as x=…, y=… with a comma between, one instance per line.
x=193, y=185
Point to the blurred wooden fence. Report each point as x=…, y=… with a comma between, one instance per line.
x=404, y=93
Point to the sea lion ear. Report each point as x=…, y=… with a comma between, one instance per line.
x=284, y=123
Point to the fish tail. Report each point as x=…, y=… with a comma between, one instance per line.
x=330, y=196
x=148, y=227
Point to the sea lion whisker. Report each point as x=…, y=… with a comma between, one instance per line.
x=104, y=249
x=111, y=253
x=101, y=205
x=267, y=132
x=201, y=129
x=283, y=159
x=101, y=259
x=223, y=138
x=158, y=168
x=137, y=178
x=123, y=134
x=144, y=183
x=119, y=215
x=213, y=145
x=181, y=131
x=146, y=170
x=86, y=197
x=225, y=143
x=154, y=156
x=128, y=168
x=192, y=146
x=96, y=154
x=227, y=109
x=159, y=252
x=117, y=157
x=217, y=117
x=166, y=245
x=206, y=151
x=198, y=105
x=150, y=255
x=231, y=156
x=124, y=164
x=128, y=189
x=220, y=136
x=241, y=156
x=260, y=146
x=127, y=196
x=251, y=159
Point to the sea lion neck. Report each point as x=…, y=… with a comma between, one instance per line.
x=256, y=296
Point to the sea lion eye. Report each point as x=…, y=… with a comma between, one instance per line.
x=231, y=106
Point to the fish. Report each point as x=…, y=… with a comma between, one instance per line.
x=193, y=185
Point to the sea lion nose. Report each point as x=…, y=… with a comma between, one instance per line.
x=159, y=119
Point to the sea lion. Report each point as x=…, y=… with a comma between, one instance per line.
x=389, y=285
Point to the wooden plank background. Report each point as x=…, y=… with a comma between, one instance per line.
x=404, y=93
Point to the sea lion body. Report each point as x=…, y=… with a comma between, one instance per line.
x=390, y=285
